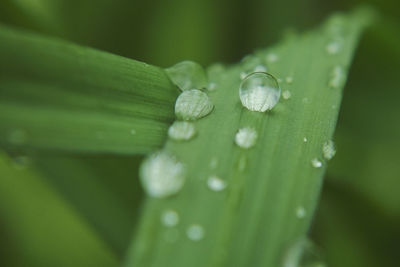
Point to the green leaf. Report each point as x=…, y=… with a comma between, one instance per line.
x=272, y=188
x=40, y=228
x=103, y=190
x=58, y=96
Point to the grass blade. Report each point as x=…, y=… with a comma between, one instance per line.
x=58, y=96
x=272, y=188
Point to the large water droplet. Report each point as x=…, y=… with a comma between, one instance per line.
x=187, y=75
x=170, y=218
x=302, y=253
x=316, y=163
x=259, y=91
x=246, y=137
x=161, y=175
x=195, y=232
x=181, y=130
x=192, y=105
x=328, y=149
x=215, y=183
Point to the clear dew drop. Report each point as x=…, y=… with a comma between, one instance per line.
x=301, y=212
x=286, y=94
x=133, y=132
x=246, y=137
x=187, y=75
x=181, y=131
x=302, y=253
x=289, y=79
x=337, y=77
x=305, y=140
x=259, y=91
x=161, y=175
x=169, y=218
x=316, y=163
x=272, y=57
x=328, y=149
x=333, y=47
x=212, y=86
x=195, y=232
x=192, y=105
x=215, y=183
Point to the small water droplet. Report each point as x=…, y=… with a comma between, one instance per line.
x=170, y=218
x=305, y=100
x=328, y=149
x=187, y=75
x=279, y=80
x=302, y=253
x=133, y=132
x=17, y=137
x=300, y=212
x=259, y=91
x=246, y=137
x=286, y=94
x=305, y=139
x=260, y=68
x=333, y=47
x=161, y=175
x=337, y=77
x=272, y=57
x=289, y=79
x=195, y=232
x=214, y=163
x=181, y=130
x=192, y=105
x=316, y=163
x=215, y=183
x=212, y=86
x=21, y=162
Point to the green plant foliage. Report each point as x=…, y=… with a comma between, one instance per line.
x=58, y=96
x=272, y=188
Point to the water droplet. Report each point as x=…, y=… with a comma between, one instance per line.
x=170, y=218
x=272, y=57
x=302, y=253
x=328, y=149
x=214, y=163
x=279, y=80
x=305, y=139
x=161, y=175
x=286, y=94
x=181, y=130
x=260, y=68
x=195, y=232
x=316, y=163
x=333, y=47
x=289, y=79
x=215, y=183
x=246, y=137
x=187, y=75
x=17, y=137
x=300, y=212
x=337, y=77
x=259, y=91
x=212, y=86
x=133, y=132
x=192, y=105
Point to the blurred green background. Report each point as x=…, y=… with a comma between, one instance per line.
x=50, y=203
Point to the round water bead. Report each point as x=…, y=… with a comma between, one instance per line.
x=259, y=91
x=195, y=232
x=188, y=75
x=192, y=105
x=246, y=137
x=181, y=130
x=170, y=218
x=215, y=183
x=161, y=175
x=328, y=149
